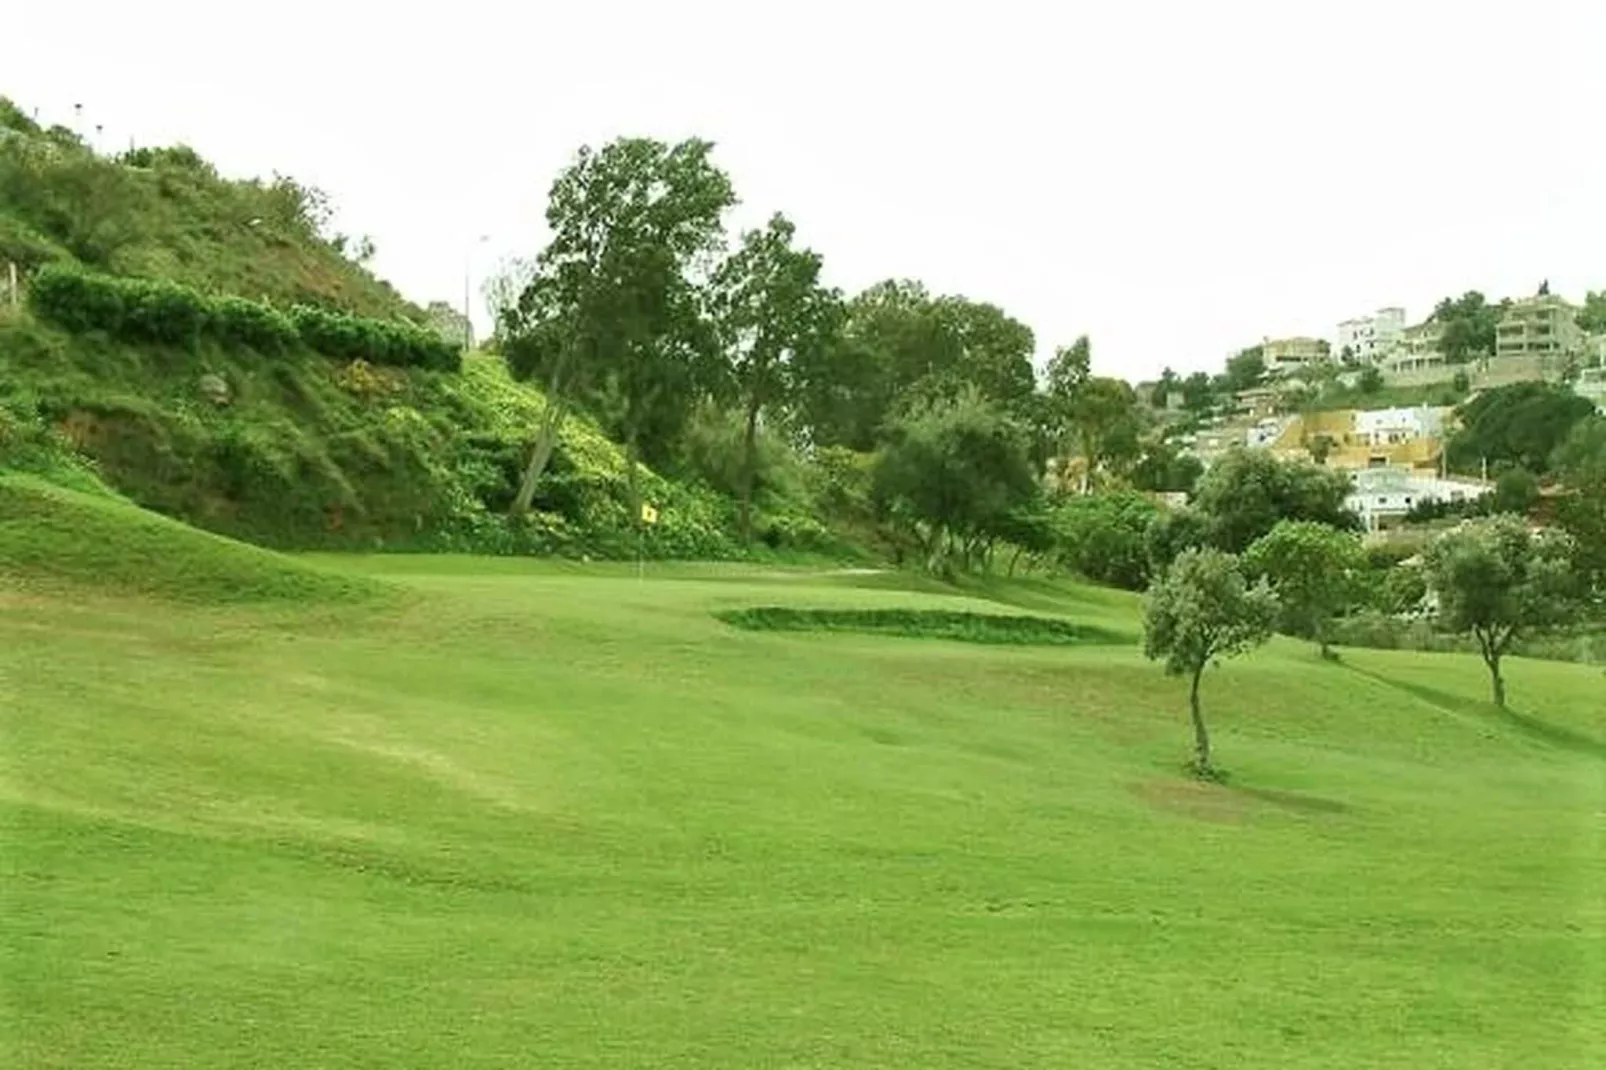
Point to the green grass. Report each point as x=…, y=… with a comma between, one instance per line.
x=956, y=625
x=541, y=815
x=58, y=537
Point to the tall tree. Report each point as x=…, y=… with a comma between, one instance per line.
x=1098, y=416
x=902, y=347
x=771, y=307
x=1201, y=610
x=1316, y=572
x=1246, y=492
x=1592, y=317
x=615, y=316
x=957, y=471
x=1580, y=462
x=1497, y=580
x=1468, y=326
x=1520, y=424
x=1245, y=369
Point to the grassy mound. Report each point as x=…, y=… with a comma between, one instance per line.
x=959, y=625
x=54, y=535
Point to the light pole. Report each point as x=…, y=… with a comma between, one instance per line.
x=468, y=266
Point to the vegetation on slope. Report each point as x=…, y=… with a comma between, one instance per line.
x=165, y=213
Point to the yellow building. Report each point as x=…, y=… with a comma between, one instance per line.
x=1351, y=439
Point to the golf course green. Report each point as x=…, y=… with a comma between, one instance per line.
x=458, y=812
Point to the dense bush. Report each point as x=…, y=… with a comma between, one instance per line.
x=253, y=324
x=163, y=312
x=153, y=310
x=1103, y=537
x=76, y=300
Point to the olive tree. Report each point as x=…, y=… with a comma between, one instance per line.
x=1201, y=610
x=1316, y=571
x=1497, y=580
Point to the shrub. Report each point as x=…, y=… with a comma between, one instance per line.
x=1102, y=537
x=76, y=299
x=237, y=321
x=163, y=312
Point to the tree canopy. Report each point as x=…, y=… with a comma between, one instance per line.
x=1469, y=324
x=1246, y=492
x=1316, y=572
x=1517, y=425
x=1497, y=580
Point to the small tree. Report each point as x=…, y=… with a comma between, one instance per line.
x=1315, y=570
x=1497, y=580
x=1201, y=610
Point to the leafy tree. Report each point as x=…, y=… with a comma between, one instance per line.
x=1320, y=447
x=614, y=316
x=1202, y=610
x=1469, y=323
x=1316, y=571
x=1592, y=317
x=1246, y=369
x=900, y=347
x=955, y=470
x=1098, y=414
x=1170, y=533
x=1520, y=424
x=1580, y=463
x=1102, y=537
x=1198, y=392
x=1497, y=580
x=1515, y=492
x=1370, y=381
x=1163, y=469
x=1246, y=492
x=1169, y=383
x=771, y=307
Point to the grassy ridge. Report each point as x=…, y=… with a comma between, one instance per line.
x=56, y=536
x=545, y=815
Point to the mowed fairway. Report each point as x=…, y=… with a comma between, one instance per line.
x=551, y=817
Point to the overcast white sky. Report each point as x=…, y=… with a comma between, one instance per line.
x=1176, y=178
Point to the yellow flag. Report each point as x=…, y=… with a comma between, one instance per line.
x=649, y=515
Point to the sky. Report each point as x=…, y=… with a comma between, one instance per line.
x=1175, y=179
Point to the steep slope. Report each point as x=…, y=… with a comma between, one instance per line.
x=166, y=213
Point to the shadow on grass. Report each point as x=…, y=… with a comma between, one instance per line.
x=1522, y=723
x=923, y=624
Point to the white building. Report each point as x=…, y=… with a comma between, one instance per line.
x=1390, y=427
x=1384, y=495
x=1370, y=338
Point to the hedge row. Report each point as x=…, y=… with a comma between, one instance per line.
x=152, y=310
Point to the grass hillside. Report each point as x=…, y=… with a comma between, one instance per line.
x=562, y=816
x=59, y=538
x=166, y=213
x=286, y=447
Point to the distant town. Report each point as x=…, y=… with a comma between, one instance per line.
x=1379, y=398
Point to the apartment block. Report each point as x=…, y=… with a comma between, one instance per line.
x=1370, y=338
x=1543, y=326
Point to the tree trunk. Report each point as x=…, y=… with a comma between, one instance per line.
x=546, y=440
x=1491, y=647
x=1201, y=735
x=749, y=471
x=1498, y=681
x=1013, y=559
